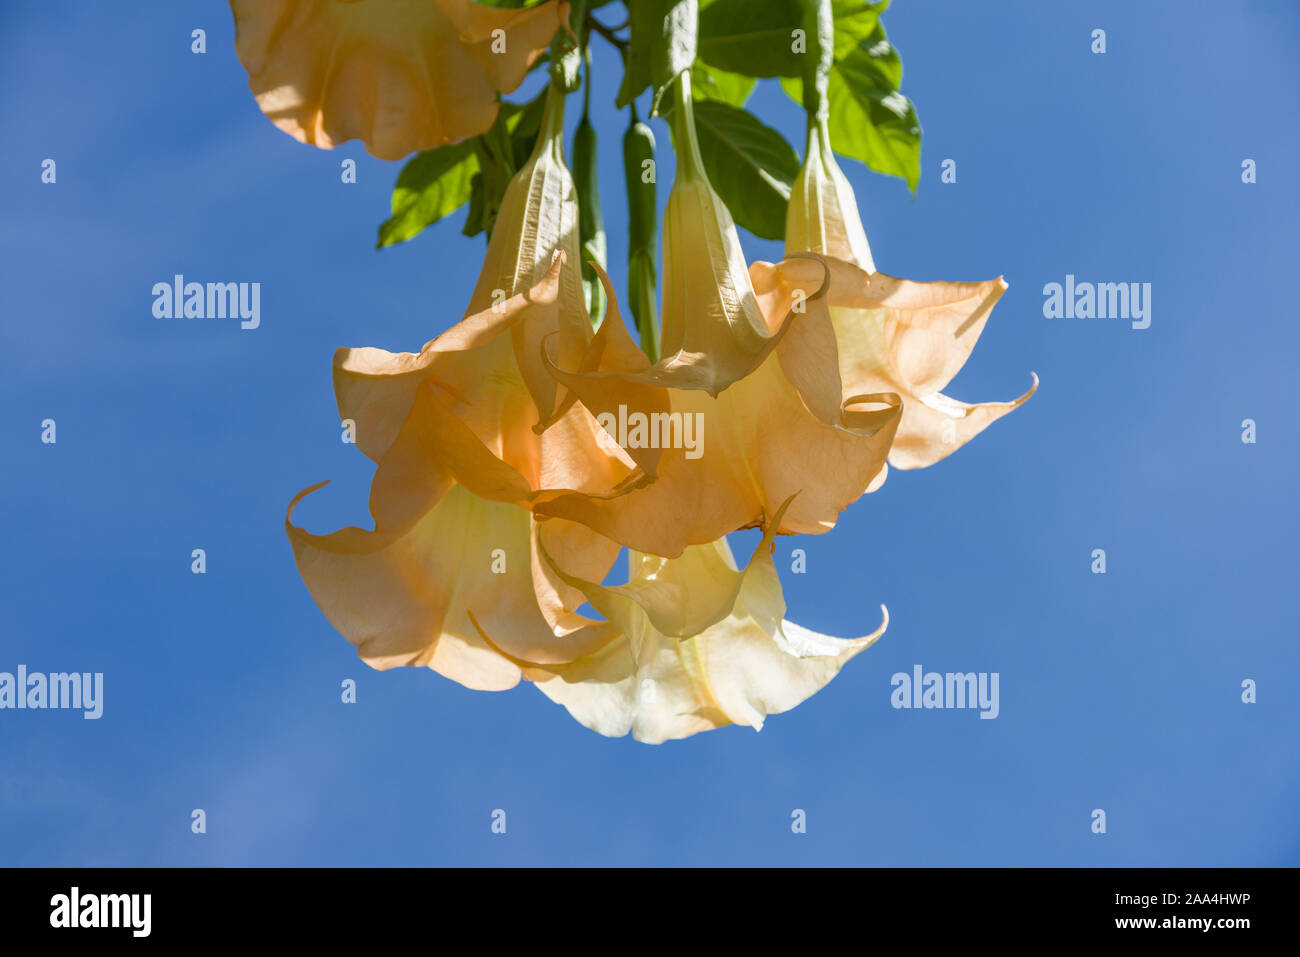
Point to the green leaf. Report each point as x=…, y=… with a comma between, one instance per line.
x=758, y=39
x=753, y=39
x=870, y=120
x=476, y=220
x=712, y=84
x=749, y=165
x=855, y=21
x=433, y=184
x=437, y=182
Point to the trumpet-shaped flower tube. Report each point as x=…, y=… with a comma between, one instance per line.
x=744, y=410
x=399, y=75
x=715, y=465
x=529, y=288
x=713, y=332
x=817, y=219
x=439, y=555
x=890, y=334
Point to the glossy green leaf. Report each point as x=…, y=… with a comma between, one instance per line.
x=431, y=185
x=753, y=39
x=760, y=39
x=708, y=83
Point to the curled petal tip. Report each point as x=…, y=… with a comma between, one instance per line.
x=302, y=495
x=868, y=640
x=1032, y=389
x=826, y=272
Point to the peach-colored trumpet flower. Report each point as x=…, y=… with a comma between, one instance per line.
x=726, y=463
x=519, y=450
x=399, y=75
x=699, y=645
x=439, y=554
x=890, y=334
x=758, y=382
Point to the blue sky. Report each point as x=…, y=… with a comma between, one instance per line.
x=1119, y=691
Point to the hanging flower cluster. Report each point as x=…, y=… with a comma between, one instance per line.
x=521, y=450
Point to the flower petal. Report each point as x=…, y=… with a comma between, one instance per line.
x=730, y=461
x=411, y=595
x=474, y=362
x=891, y=334
x=745, y=663
x=529, y=285
x=454, y=558
x=911, y=338
x=401, y=76
x=438, y=444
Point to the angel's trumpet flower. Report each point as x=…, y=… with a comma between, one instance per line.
x=890, y=334
x=444, y=566
x=538, y=218
x=759, y=388
x=699, y=645
x=399, y=75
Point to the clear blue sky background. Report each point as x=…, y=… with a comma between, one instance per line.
x=1119, y=691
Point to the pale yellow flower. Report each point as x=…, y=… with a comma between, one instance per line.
x=784, y=430
x=400, y=75
x=700, y=645
x=891, y=335
x=537, y=220
x=440, y=557
x=757, y=380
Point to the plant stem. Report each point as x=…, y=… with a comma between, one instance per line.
x=689, y=160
